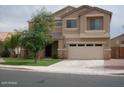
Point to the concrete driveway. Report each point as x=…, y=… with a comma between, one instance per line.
x=106, y=64
x=99, y=67
x=79, y=64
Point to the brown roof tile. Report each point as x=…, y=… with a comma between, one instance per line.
x=4, y=35
x=76, y=9
x=63, y=9
x=90, y=8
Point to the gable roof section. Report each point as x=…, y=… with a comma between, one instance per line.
x=89, y=9
x=97, y=9
x=76, y=9
x=117, y=36
x=63, y=9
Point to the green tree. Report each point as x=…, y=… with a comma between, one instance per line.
x=39, y=35
x=43, y=21
x=35, y=42
x=12, y=42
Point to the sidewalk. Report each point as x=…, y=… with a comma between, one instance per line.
x=1, y=60
x=88, y=71
x=70, y=67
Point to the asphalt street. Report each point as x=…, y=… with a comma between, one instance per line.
x=15, y=78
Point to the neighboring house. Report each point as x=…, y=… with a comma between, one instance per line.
x=4, y=35
x=117, y=45
x=81, y=33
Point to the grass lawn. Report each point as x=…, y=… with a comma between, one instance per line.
x=29, y=62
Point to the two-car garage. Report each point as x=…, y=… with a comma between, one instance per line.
x=85, y=51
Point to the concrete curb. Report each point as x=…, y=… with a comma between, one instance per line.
x=83, y=71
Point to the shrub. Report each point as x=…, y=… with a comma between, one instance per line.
x=55, y=56
x=1, y=47
x=5, y=53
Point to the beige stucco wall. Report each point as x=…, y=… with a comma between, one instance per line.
x=81, y=30
x=80, y=34
x=61, y=12
x=63, y=46
x=72, y=31
x=117, y=41
x=106, y=20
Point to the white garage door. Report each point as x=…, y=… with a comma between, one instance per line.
x=85, y=51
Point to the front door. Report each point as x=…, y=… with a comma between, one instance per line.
x=48, y=51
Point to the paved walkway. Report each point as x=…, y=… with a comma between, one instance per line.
x=1, y=60
x=90, y=67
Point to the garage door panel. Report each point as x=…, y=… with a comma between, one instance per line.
x=90, y=52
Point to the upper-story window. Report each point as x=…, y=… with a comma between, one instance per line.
x=58, y=23
x=122, y=42
x=71, y=24
x=95, y=23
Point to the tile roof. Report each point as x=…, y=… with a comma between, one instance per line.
x=4, y=35
x=90, y=9
x=71, y=7
x=118, y=36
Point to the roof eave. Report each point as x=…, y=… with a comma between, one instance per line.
x=76, y=9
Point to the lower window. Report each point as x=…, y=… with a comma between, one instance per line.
x=89, y=44
x=81, y=45
x=98, y=44
x=72, y=45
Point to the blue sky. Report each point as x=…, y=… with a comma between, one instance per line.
x=16, y=17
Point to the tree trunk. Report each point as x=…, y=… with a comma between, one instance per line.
x=35, y=57
x=12, y=52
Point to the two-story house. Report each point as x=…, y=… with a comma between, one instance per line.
x=81, y=33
